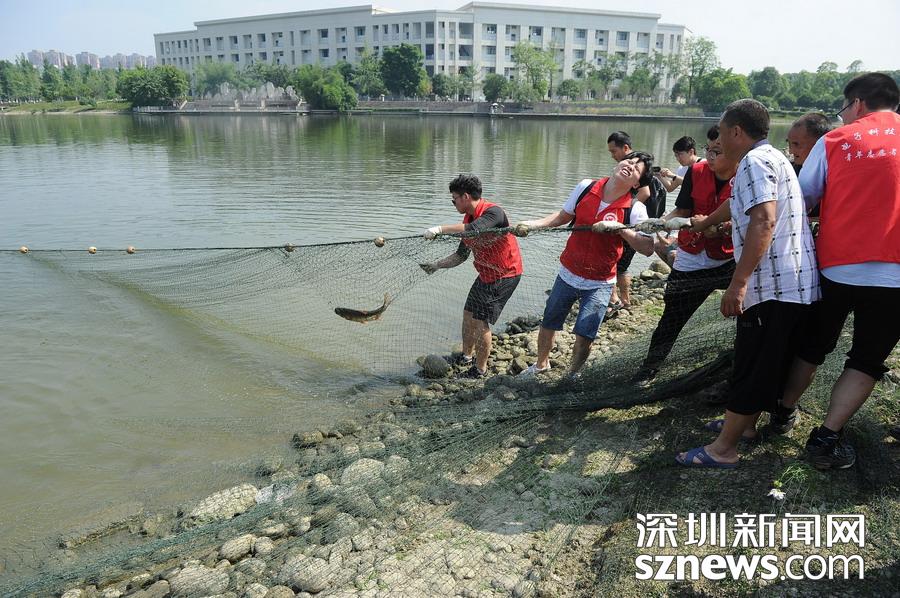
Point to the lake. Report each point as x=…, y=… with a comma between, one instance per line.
x=107, y=396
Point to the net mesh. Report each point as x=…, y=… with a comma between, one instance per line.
x=433, y=484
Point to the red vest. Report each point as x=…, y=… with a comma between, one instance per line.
x=860, y=216
x=496, y=256
x=703, y=192
x=588, y=254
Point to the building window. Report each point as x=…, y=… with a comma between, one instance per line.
x=490, y=50
x=490, y=29
x=248, y=42
x=323, y=34
x=536, y=31
x=622, y=38
x=235, y=58
x=264, y=56
x=659, y=41
x=578, y=54
x=323, y=53
x=360, y=32
x=581, y=35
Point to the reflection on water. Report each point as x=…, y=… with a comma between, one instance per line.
x=106, y=397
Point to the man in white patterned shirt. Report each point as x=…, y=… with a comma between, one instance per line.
x=775, y=278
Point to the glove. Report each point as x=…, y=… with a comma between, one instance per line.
x=650, y=225
x=677, y=223
x=607, y=226
x=521, y=230
x=432, y=232
x=429, y=268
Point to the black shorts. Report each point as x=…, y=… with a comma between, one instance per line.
x=487, y=299
x=764, y=347
x=876, y=326
x=625, y=260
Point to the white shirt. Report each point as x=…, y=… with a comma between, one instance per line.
x=813, y=176
x=692, y=262
x=638, y=214
x=787, y=271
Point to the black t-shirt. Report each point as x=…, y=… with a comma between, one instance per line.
x=684, y=199
x=493, y=217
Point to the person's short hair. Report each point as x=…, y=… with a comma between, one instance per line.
x=647, y=159
x=685, y=144
x=877, y=90
x=816, y=124
x=619, y=139
x=749, y=115
x=466, y=183
x=712, y=133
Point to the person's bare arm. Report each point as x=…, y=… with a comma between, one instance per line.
x=756, y=243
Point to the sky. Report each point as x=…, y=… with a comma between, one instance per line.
x=791, y=35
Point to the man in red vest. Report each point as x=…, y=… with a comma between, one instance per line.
x=853, y=175
x=588, y=263
x=704, y=262
x=497, y=260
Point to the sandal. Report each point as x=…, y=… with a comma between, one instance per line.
x=705, y=460
x=612, y=310
x=716, y=426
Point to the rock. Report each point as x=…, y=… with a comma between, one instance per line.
x=397, y=436
x=340, y=550
x=263, y=546
x=233, y=550
x=518, y=365
x=648, y=275
x=362, y=471
x=357, y=502
x=279, y=592
x=350, y=451
x=302, y=525
x=139, y=582
x=278, y=492
x=395, y=468
x=515, y=441
x=253, y=568
x=274, y=530
x=256, y=590
x=435, y=366
x=223, y=505
x=319, y=483
x=269, y=465
x=197, y=580
x=661, y=267
x=413, y=390
x=305, y=574
x=362, y=542
x=160, y=589
x=504, y=393
x=307, y=439
x=372, y=448
x=112, y=592
x=342, y=526
x=76, y=593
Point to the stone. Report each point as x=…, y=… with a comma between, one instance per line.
x=256, y=590
x=75, y=593
x=234, y=549
x=362, y=542
x=139, y=582
x=223, y=505
x=279, y=592
x=197, y=580
x=342, y=526
x=275, y=530
x=263, y=546
x=362, y=471
x=319, y=482
x=340, y=550
x=160, y=589
x=435, y=366
x=305, y=574
x=269, y=465
x=373, y=447
x=302, y=525
x=395, y=467
x=252, y=567
x=515, y=441
x=307, y=439
x=518, y=365
x=660, y=266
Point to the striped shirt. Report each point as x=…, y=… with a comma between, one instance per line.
x=787, y=271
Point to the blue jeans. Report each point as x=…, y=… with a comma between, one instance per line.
x=591, y=310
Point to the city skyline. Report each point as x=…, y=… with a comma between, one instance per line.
x=790, y=37
x=59, y=59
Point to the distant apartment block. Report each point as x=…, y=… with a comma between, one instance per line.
x=60, y=60
x=479, y=35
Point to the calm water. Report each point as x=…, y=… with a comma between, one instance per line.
x=105, y=398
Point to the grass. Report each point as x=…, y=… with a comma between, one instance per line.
x=69, y=107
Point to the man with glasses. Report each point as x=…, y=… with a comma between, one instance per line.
x=497, y=260
x=704, y=261
x=853, y=174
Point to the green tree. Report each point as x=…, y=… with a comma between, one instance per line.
x=158, y=86
x=699, y=58
x=467, y=80
x=401, y=69
x=855, y=67
x=52, y=84
x=767, y=82
x=719, y=87
x=260, y=73
x=442, y=85
x=583, y=69
x=495, y=87
x=324, y=89
x=174, y=81
x=208, y=76
x=367, y=78
x=26, y=83
x=569, y=88
x=641, y=83
x=534, y=67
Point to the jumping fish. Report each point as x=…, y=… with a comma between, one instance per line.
x=360, y=315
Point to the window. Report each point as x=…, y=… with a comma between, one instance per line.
x=600, y=37
x=490, y=29
x=659, y=41
x=622, y=38
x=536, y=31
x=235, y=58
x=248, y=42
x=578, y=54
x=323, y=34
x=360, y=32
x=323, y=53
x=264, y=56
x=490, y=50
x=581, y=35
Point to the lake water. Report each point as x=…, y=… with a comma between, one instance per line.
x=106, y=398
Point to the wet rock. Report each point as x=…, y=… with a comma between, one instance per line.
x=435, y=366
x=263, y=546
x=104, y=522
x=197, y=580
x=269, y=465
x=223, y=505
x=234, y=550
x=307, y=439
x=362, y=471
x=305, y=574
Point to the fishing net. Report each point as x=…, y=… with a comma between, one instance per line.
x=425, y=483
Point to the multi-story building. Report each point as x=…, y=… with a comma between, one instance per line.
x=87, y=58
x=479, y=35
x=36, y=58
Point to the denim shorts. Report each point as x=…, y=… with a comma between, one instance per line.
x=591, y=310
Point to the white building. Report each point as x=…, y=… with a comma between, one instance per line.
x=87, y=58
x=479, y=35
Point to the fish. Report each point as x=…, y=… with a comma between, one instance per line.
x=363, y=316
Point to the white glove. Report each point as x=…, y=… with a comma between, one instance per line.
x=432, y=232
x=607, y=226
x=521, y=229
x=678, y=223
x=650, y=225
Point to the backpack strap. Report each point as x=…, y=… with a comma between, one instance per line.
x=581, y=196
